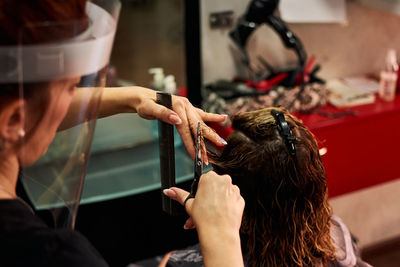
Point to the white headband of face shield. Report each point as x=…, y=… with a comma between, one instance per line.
x=85, y=54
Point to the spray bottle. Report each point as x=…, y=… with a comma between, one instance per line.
x=158, y=78
x=388, y=81
x=170, y=84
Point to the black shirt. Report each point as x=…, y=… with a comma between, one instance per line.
x=25, y=240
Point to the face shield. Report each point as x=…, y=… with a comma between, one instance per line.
x=59, y=118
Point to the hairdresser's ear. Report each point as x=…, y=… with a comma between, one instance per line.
x=12, y=118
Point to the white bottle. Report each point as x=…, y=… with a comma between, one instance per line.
x=170, y=84
x=158, y=78
x=387, y=86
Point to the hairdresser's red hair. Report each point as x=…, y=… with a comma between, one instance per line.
x=20, y=20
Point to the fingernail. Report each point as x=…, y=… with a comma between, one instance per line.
x=206, y=162
x=188, y=226
x=174, y=119
x=169, y=193
x=223, y=141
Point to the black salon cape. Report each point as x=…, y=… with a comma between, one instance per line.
x=25, y=240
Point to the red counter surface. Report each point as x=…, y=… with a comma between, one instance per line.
x=362, y=149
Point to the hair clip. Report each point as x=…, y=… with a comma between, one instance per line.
x=284, y=130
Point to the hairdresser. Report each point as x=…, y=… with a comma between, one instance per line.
x=49, y=49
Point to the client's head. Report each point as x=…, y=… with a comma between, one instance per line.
x=286, y=220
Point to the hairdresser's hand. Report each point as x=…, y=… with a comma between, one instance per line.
x=143, y=101
x=218, y=202
x=184, y=116
x=217, y=214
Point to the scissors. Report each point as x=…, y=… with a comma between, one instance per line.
x=198, y=166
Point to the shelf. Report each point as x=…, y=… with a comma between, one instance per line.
x=130, y=171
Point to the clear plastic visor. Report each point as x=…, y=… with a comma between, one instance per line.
x=61, y=84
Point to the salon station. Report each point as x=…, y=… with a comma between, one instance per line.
x=331, y=63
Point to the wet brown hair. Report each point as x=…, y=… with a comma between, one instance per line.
x=286, y=219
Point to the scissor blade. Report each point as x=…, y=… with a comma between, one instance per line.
x=198, y=159
x=198, y=163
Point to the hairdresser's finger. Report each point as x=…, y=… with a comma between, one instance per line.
x=180, y=196
x=187, y=139
x=235, y=190
x=151, y=110
x=210, y=134
x=194, y=120
x=165, y=259
x=170, y=193
x=211, y=117
x=180, y=106
x=189, y=224
x=185, y=131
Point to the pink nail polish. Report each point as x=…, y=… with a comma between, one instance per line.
x=168, y=192
x=223, y=141
x=174, y=119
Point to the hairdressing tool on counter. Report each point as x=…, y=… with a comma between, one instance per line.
x=167, y=157
x=230, y=90
x=266, y=84
x=198, y=165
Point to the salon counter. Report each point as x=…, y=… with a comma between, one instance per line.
x=361, y=150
